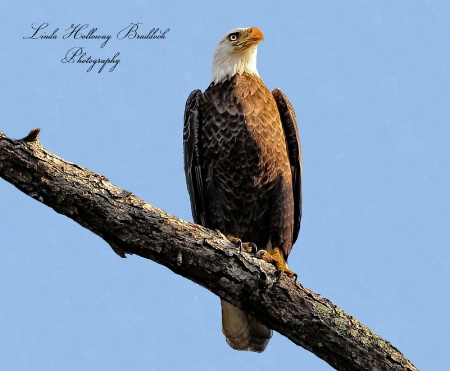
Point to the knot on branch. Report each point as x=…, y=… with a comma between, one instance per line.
x=32, y=136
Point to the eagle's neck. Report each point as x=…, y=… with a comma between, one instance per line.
x=227, y=65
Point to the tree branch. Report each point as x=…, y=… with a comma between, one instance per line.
x=132, y=226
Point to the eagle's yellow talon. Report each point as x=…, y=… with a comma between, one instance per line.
x=250, y=247
x=276, y=258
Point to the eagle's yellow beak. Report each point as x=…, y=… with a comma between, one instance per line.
x=255, y=34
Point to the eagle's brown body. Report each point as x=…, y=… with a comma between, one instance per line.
x=248, y=182
x=243, y=170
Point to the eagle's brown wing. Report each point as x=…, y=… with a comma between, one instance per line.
x=289, y=121
x=192, y=156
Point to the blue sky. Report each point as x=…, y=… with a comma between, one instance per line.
x=370, y=83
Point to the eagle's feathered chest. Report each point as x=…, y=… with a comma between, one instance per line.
x=242, y=161
x=243, y=139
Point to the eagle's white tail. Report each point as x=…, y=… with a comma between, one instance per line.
x=242, y=330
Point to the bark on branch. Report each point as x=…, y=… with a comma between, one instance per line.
x=132, y=226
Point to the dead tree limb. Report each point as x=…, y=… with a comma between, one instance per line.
x=132, y=226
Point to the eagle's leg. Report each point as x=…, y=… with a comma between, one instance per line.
x=276, y=258
x=250, y=247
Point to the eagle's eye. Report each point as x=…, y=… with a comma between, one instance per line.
x=233, y=36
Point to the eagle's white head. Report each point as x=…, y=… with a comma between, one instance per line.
x=236, y=54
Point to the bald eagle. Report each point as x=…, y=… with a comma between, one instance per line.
x=242, y=159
